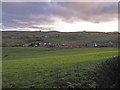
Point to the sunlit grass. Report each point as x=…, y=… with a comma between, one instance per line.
x=50, y=67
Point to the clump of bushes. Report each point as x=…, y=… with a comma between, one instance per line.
x=108, y=73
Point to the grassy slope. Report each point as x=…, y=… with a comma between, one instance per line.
x=13, y=38
x=50, y=67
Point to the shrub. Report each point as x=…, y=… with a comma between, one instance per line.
x=108, y=73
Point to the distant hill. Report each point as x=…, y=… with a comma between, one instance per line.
x=71, y=38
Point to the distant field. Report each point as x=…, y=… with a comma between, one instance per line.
x=73, y=38
x=52, y=67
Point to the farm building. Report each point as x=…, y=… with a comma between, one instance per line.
x=25, y=45
x=95, y=45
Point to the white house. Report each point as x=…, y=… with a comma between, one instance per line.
x=95, y=45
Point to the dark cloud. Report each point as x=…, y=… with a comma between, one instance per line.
x=29, y=13
x=93, y=12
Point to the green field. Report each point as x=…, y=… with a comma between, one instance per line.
x=52, y=67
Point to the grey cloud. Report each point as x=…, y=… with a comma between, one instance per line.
x=93, y=12
x=29, y=13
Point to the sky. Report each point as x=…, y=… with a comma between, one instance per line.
x=60, y=16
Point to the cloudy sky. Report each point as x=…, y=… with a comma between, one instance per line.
x=60, y=16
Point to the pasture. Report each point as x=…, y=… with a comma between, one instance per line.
x=72, y=38
x=30, y=67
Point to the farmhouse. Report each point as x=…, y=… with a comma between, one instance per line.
x=25, y=45
x=104, y=44
x=36, y=45
x=95, y=45
x=46, y=36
